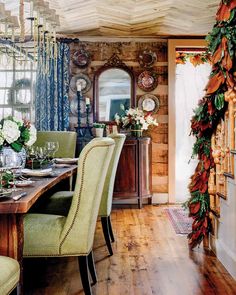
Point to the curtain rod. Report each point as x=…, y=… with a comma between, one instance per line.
x=187, y=49
x=68, y=40
x=15, y=47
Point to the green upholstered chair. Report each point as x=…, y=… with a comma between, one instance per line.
x=9, y=274
x=66, y=140
x=59, y=203
x=48, y=235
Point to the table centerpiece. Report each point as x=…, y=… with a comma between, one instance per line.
x=15, y=136
x=135, y=120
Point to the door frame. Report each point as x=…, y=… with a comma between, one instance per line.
x=172, y=45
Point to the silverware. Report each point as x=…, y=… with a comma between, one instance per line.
x=19, y=196
x=24, y=178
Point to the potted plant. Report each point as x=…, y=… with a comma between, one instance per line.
x=135, y=120
x=99, y=129
x=15, y=134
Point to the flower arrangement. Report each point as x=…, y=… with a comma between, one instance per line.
x=135, y=118
x=16, y=133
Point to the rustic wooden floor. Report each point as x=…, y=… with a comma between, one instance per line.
x=149, y=258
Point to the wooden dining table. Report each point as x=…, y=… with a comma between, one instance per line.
x=12, y=214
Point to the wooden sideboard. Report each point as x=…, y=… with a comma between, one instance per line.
x=134, y=175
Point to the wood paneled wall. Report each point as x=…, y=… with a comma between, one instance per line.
x=128, y=53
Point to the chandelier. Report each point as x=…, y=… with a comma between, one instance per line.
x=34, y=30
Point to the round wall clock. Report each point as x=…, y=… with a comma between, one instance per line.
x=147, y=58
x=147, y=80
x=82, y=80
x=149, y=103
x=81, y=58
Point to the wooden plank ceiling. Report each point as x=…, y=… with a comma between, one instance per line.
x=144, y=18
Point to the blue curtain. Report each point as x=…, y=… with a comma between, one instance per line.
x=52, y=87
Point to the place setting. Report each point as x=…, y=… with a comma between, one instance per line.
x=41, y=160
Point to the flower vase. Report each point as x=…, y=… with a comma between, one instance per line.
x=126, y=132
x=136, y=130
x=99, y=132
x=13, y=158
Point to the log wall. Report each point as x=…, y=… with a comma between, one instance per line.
x=128, y=53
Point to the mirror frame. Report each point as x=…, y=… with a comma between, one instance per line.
x=113, y=63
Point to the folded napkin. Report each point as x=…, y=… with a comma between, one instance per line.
x=66, y=160
x=37, y=172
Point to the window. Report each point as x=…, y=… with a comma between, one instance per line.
x=17, y=82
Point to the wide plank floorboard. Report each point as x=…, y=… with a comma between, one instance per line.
x=149, y=259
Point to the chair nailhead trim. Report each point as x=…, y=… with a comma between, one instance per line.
x=80, y=191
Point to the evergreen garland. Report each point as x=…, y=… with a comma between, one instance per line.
x=210, y=110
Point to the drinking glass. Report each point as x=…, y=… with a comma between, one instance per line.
x=14, y=163
x=41, y=153
x=31, y=154
x=2, y=160
x=52, y=147
x=2, y=164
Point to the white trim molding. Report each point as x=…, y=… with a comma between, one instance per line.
x=172, y=45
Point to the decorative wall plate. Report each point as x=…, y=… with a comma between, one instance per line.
x=149, y=103
x=82, y=80
x=74, y=107
x=147, y=80
x=147, y=58
x=81, y=58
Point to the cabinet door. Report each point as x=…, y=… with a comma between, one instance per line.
x=126, y=183
x=145, y=181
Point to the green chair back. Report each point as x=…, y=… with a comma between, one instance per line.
x=107, y=194
x=55, y=235
x=66, y=140
x=9, y=274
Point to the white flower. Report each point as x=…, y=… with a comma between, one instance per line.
x=122, y=107
x=10, y=131
x=125, y=121
x=131, y=112
x=117, y=119
x=145, y=126
x=151, y=121
x=33, y=136
x=20, y=122
x=1, y=138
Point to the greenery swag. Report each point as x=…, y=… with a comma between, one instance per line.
x=210, y=110
x=195, y=58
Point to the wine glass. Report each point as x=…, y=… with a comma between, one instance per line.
x=41, y=153
x=2, y=164
x=31, y=154
x=52, y=147
x=56, y=147
x=2, y=160
x=14, y=163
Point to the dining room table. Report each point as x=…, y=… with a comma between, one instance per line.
x=12, y=213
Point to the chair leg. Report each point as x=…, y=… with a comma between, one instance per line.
x=83, y=266
x=105, y=229
x=110, y=229
x=92, y=268
x=14, y=292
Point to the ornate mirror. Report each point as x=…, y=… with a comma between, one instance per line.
x=113, y=89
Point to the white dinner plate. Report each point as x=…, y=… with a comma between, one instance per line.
x=66, y=160
x=37, y=172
